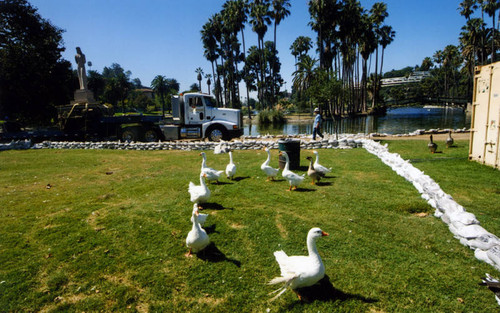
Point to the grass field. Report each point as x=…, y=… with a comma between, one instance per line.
x=88, y=231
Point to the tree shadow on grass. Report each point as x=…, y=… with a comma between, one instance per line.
x=213, y=206
x=324, y=291
x=213, y=254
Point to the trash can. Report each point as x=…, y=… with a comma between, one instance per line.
x=292, y=148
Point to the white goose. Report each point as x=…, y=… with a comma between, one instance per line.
x=320, y=168
x=231, y=167
x=210, y=172
x=300, y=271
x=270, y=171
x=197, y=239
x=201, y=193
x=293, y=179
x=202, y=218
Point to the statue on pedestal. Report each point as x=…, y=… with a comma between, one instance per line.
x=82, y=74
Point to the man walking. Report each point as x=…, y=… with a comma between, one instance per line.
x=317, y=124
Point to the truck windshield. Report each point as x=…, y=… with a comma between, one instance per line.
x=209, y=102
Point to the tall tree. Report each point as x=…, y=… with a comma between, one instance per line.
x=260, y=18
x=467, y=8
x=378, y=14
x=491, y=7
x=199, y=77
x=300, y=47
x=33, y=76
x=159, y=85
x=281, y=9
x=386, y=37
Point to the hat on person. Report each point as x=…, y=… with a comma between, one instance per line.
x=316, y=110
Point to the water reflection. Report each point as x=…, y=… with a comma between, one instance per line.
x=401, y=120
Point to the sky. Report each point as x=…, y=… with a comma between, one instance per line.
x=162, y=37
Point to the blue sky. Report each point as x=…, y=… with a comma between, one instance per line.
x=162, y=37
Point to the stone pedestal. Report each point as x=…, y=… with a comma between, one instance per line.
x=83, y=96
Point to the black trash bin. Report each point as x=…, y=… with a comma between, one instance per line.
x=292, y=148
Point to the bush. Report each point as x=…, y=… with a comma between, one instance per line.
x=272, y=116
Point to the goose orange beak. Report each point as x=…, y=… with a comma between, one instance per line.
x=324, y=234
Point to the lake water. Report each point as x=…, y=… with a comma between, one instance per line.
x=402, y=120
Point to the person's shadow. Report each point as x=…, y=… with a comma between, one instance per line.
x=324, y=291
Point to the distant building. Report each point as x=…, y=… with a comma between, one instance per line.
x=148, y=92
x=414, y=77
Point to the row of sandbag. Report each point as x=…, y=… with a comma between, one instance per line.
x=461, y=223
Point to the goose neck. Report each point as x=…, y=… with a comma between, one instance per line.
x=287, y=164
x=311, y=247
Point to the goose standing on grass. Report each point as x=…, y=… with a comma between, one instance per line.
x=320, y=168
x=231, y=167
x=432, y=145
x=197, y=239
x=311, y=172
x=293, y=179
x=270, y=171
x=449, y=140
x=202, y=218
x=300, y=271
x=201, y=193
x=210, y=172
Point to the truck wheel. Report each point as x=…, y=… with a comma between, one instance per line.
x=151, y=136
x=130, y=134
x=216, y=133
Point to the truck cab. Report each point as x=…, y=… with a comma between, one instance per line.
x=195, y=115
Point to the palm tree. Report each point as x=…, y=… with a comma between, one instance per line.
x=279, y=12
x=470, y=39
x=209, y=82
x=467, y=7
x=199, y=77
x=159, y=85
x=367, y=45
x=303, y=77
x=209, y=34
x=386, y=37
x=260, y=18
x=490, y=7
x=300, y=46
x=378, y=15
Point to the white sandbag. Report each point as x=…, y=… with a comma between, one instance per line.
x=483, y=256
x=464, y=218
x=494, y=255
x=432, y=203
x=464, y=242
x=485, y=241
x=438, y=213
x=468, y=231
x=445, y=217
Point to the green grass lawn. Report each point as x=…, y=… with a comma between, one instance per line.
x=109, y=234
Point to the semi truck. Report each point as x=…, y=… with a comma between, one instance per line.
x=194, y=115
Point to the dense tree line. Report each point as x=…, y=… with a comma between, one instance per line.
x=452, y=68
x=259, y=66
x=349, y=39
x=34, y=78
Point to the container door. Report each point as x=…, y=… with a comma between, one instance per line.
x=492, y=132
